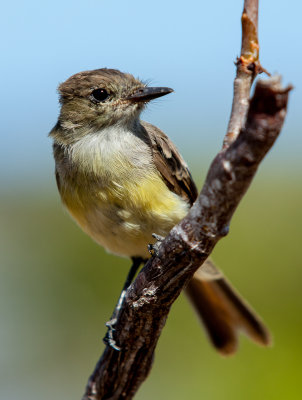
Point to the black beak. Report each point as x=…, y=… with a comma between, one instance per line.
x=149, y=93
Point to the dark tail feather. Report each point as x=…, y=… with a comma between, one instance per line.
x=223, y=311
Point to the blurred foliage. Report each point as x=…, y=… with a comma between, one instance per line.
x=58, y=288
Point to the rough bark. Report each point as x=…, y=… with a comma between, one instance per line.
x=253, y=128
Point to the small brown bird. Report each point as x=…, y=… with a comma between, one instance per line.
x=122, y=179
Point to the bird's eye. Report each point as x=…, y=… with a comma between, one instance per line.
x=99, y=95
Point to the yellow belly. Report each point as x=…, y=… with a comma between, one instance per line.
x=122, y=216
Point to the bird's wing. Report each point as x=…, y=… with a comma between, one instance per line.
x=170, y=164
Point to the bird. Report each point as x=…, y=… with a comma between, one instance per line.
x=124, y=182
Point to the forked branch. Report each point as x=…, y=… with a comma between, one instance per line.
x=253, y=128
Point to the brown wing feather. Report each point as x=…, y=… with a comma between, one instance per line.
x=170, y=164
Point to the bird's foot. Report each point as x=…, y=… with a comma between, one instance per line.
x=154, y=248
x=108, y=339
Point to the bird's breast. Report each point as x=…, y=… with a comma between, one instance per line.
x=117, y=195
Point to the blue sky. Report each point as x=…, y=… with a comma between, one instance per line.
x=189, y=46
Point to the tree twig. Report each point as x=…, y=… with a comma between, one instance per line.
x=253, y=128
x=248, y=66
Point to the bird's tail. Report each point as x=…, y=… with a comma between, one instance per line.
x=223, y=311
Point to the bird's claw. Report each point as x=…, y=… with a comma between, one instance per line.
x=154, y=248
x=108, y=339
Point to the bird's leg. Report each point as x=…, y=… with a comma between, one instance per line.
x=153, y=248
x=108, y=339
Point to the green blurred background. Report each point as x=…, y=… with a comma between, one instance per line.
x=57, y=287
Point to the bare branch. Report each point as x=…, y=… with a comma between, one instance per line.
x=148, y=300
x=248, y=66
x=252, y=130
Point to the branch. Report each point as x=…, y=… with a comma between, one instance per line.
x=248, y=66
x=252, y=130
x=119, y=373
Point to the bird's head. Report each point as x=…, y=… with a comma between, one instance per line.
x=93, y=100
